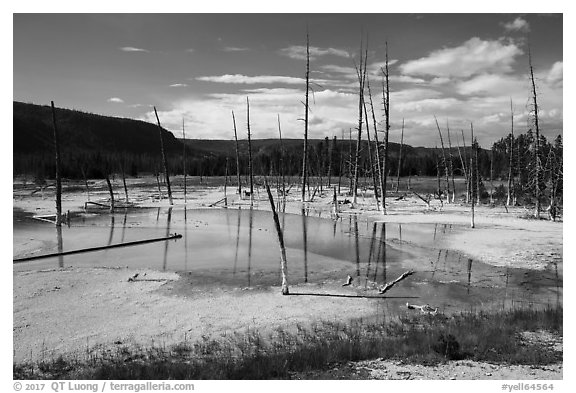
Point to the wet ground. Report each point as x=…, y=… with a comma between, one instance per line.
x=238, y=248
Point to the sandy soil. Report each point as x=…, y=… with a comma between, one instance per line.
x=74, y=310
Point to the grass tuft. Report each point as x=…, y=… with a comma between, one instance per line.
x=423, y=339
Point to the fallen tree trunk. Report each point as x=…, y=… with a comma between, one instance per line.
x=386, y=287
x=134, y=243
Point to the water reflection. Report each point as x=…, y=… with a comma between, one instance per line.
x=250, y=226
x=331, y=250
x=166, y=243
x=60, y=245
x=305, y=243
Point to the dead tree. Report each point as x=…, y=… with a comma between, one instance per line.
x=511, y=164
x=249, y=152
x=467, y=171
x=378, y=147
x=372, y=171
x=361, y=73
x=283, y=261
x=386, y=104
x=237, y=157
x=471, y=172
x=451, y=164
x=306, y=110
x=444, y=161
x=537, y=163
x=164, y=160
x=184, y=158
x=400, y=157
x=281, y=169
x=58, y=220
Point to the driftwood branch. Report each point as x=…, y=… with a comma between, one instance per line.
x=386, y=287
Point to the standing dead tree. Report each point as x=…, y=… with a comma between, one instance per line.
x=372, y=166
x=184, y=158
x=237, y=157
x=444, y=161
x=283, y=261
x=249, y=152
x=281, y=169
x=306, y=111
x=511, y=162
x=451, y=163
x=58, y=220
x=537, y=162
x=378, y=146
x=400, y=157
x=164, y=160
x=361, y=73
x=467, y=171
x=471, y=176
x=386, y=104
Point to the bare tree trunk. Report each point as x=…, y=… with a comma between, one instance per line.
x=282, y=166
x=375, y=126
x=471, y=172
x=400, y=157
x=184, y=158
x=330, y=154
x=491, y=176
x=249, y=152
x=467, y=174
x=123, y=173
x=283, y=261
x=361, y=78
x=58, y=220
x=451, y=164
x=444, y=162
x=164, y=160
x=537, y=163
x=372, y=166
x=111, y=192
x=237, y=158
x=386, y=96
x=479, y=197
x=306, y=109
x=511, y=164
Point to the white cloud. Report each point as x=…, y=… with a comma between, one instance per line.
x=517, y=24
x=299, y=52
x=473, y=57
x=234, y=49
x=116, y=100
x=132, y=49
x=555, y=75
x=178, y=85
x=245, y=79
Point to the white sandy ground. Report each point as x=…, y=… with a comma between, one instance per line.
x=77, y=309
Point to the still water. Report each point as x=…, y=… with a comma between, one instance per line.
x=223, y=248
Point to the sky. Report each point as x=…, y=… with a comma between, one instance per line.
x=198, y=68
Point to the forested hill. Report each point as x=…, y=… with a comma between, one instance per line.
x=93, y=144
x=33, y=132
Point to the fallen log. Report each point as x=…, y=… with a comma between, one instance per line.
x=91, y=249
x=386, y=287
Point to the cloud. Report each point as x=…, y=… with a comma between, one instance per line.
x=494, y=85
x=555, y=75
x=178, y=85
x=299, y=52
x=234, y=49
x=116, y=100
x=132, y=49
x=190, y=50
x=517, y=24
x=473, y=57
x=245, y=79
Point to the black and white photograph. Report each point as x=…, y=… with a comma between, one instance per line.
x=287, y=196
